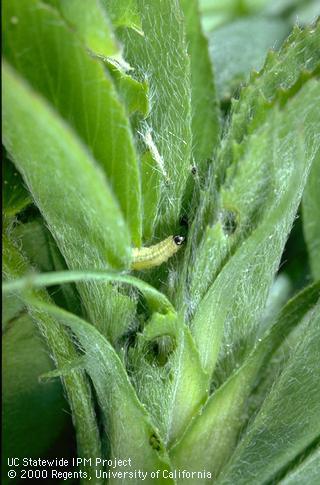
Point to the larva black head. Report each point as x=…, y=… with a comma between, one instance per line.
x=179, y=240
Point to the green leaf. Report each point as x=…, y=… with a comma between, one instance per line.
x=15, y=196
x=205, y=112
x=219, y=12
x=70, y=190
x=222, y=417
x=299, y=57
x=156, y=300
x=133, y=93
x=306, y=473
x=124, y=13
x=76, y=384
x=311, y=217
x=306, y=13
x=29, y=408
x=224, y=216
x=117, y=398
x=281, y=7
x=33, y=239
x=151, y=192
x=279, y=294
x=283, y=429
x=77, y=85
x=174, y=377
x=39, y=247
x=160, y=57
x=247, y=181
x=91, y=23
x=240, y=46
x=189, y=388
x=230, y=311
x=63, y=180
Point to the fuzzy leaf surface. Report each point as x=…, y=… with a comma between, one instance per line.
x=156, y=300
x=240, y=46
x=63, y=352
x=160, y=57
x=311, y=217
x=282, y=72
x=133, y=93
x=124, y=13
x=289, y=143
x=63, y=179
x=70, y=190
x=205, y=112
x=129, y=428
x=178, y=383
x=306, y=473
x=282, y=429
x=222, y=417
x=58, y=65
x=225, y=217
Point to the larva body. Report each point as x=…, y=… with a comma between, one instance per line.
x=145, y=258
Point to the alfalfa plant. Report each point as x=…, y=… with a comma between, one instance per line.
x=197, y=370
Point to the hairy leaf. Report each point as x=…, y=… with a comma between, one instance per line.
x=306, y=473
x=28, y=121
x=124, y=13
x=222, y=417
x=292, y=134
x=76, y=384
x=311, y=217
x=76, y=84
x=133, y=92
x=283, y=429
x=128, y=426
x=225, y=217
x=205, y=114
x=160, y=57
x=70, y=190
x=172, y=385
x=283, y=71
x=240, y=46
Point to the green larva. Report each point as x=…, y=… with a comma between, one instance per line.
x=145, y=258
